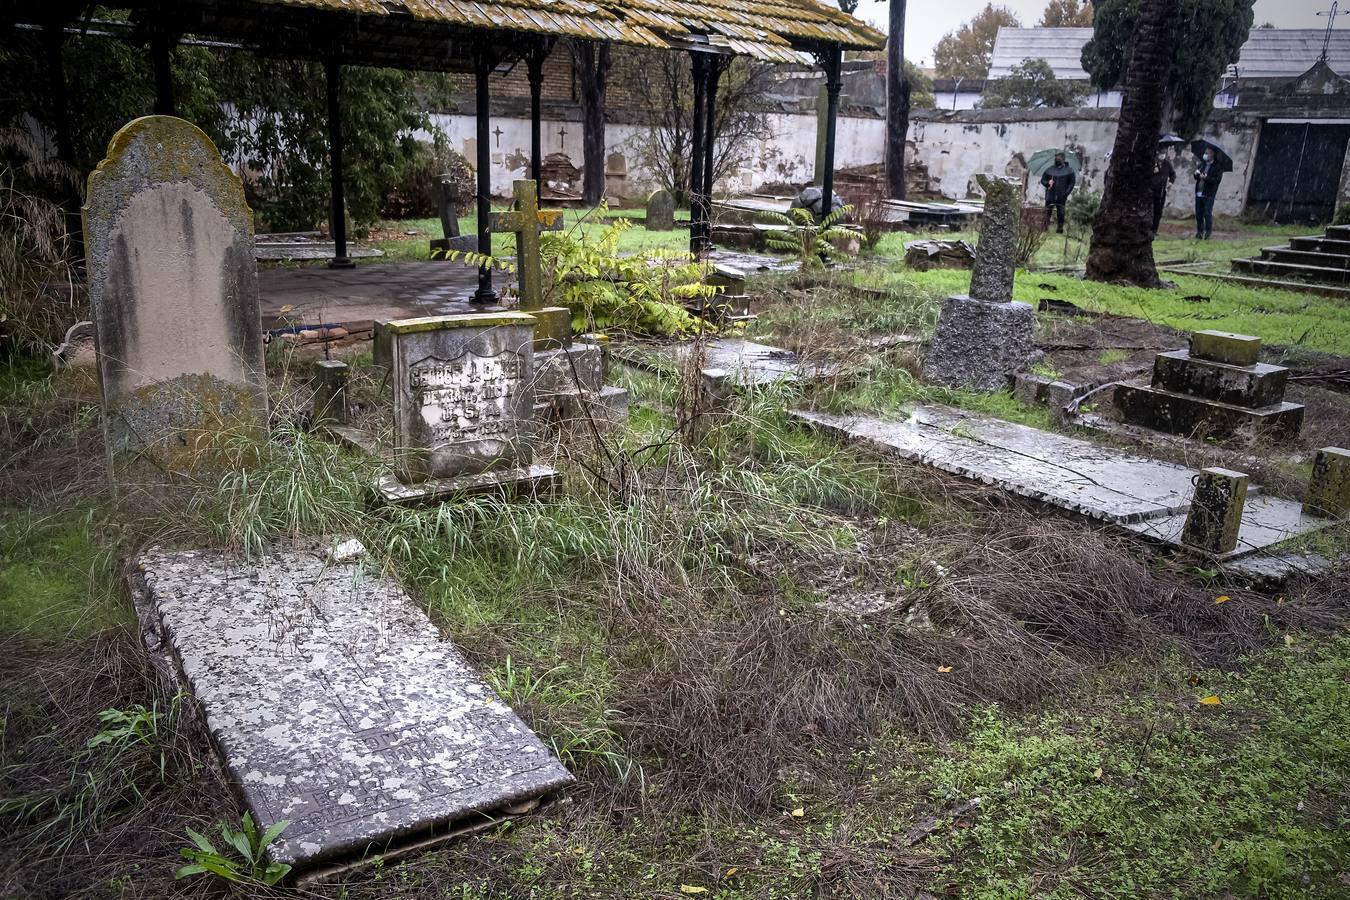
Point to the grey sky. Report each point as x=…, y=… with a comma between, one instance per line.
x=923, y=26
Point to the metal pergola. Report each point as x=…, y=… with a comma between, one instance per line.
x=479, y=37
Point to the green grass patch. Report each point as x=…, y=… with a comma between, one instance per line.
x=1157, y=793
x=56, y=582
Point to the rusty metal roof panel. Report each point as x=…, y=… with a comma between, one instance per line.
x=799, y=23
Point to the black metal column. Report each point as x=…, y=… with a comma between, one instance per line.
x=53, y=39
x=534, y=62
x=483, y=70
x=697, y=210
x=832, y=62
x=709, y=146
x=161, y=46
x=337, y=216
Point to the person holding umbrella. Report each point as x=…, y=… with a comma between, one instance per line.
x=1058, y=181
x=1209, y=169
x=1163, y=175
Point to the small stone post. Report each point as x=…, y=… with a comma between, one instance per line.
x=330, y=392
x=1329, y=489
x=1215, y=516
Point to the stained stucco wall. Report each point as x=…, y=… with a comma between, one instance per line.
x=955, y=146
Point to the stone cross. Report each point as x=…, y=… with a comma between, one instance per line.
x=996, y=255
x=525, y=220
x=173, y=291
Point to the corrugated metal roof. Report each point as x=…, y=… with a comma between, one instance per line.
x=772, y=30
x=1268, y=53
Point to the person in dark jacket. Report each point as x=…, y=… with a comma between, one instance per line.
x=1207, y=178
x=1163, y=175
x=1058, y=182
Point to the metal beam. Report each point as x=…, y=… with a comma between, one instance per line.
x=483, y=65
x=332, y=70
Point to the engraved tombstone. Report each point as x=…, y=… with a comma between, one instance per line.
x=985, y=337
x=173, y=291
x=661, y=211
x=463, y=393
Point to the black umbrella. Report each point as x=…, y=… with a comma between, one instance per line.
x=1221, y=157
x=1171, y=140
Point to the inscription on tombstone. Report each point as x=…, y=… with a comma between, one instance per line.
x=173, y=290
x=463, y=393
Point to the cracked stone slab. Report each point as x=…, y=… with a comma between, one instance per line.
x=1077, y=475
x=736, y=363
x=334, y=702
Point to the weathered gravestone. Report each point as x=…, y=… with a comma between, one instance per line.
x=173, y=291
x=335, y=704
x=983, y=338
x=661, y=211
x=448, y=204
x=463, y=404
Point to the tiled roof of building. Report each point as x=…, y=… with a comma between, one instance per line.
x=1268, y=53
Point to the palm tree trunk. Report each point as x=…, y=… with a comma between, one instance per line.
x=897, y=103
x=1122, y=232
x=592, y=66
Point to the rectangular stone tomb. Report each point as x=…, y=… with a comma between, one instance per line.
x=1177, y=413
x=1145, y=496
x=1074, y=474
x=335, y=704
x=463, y=404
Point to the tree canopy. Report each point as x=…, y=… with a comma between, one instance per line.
x=1032, y=84
x=1212, y=33
x=1066, y=14
x=966, y=52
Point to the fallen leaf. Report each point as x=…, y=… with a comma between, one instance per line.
x=1098, y=774
x=1222, y=599
x=943, y=670
x=799, y=812
x=730, y=872
x=692, y=889
x=1211, y=700
x=1289, y=640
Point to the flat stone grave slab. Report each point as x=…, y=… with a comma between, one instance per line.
x=1148, y=497
x=334, y=702
x=1098, y=482
x=732, y=362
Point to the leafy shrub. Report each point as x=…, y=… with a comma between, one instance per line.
x=251, y=867
x=1082, y=208
x=412, y=195
x=806, y=239
x=639, y=293
x=36, y=302
x=1342, y=216
x=871, y=217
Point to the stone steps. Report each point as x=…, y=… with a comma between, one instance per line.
x=1177, y=413
x=1320, y=244
x=1322, y=274
x=1306, y=257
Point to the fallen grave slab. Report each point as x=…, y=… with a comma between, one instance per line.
x=731, y=362
x=1098, y=482
x=1148, y=497
x=334, y=702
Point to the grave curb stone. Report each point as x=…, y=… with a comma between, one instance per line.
x=1329, y=488
x=1226, y=347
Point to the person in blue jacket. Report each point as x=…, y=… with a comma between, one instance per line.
x=1207, y=178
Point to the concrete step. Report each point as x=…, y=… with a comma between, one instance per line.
x=1292, y=270
x=1339, y=232
x=1184, y=414
x=1306, y=257
x=1319, y=244
x=1253, y=387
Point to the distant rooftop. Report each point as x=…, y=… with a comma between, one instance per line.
x=1268, y=53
